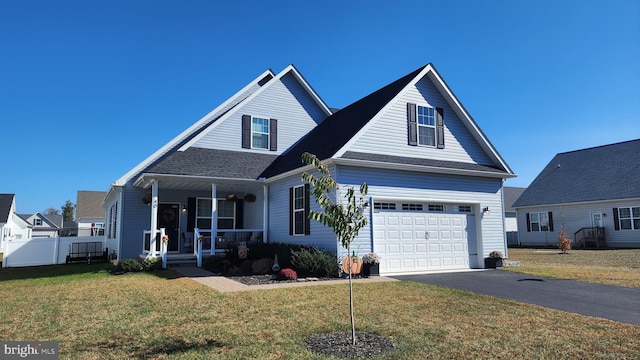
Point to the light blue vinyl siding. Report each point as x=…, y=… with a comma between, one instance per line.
x=388, y=134
x=573, y=217
x=285, y=100
x=321, y=236
x=433, y=188
x=136, y=218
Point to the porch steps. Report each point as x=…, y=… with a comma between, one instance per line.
x=180, y=260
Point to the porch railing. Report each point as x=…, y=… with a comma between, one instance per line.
x=146, y=246
x=228, y=238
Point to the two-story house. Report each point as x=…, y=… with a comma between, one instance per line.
x=435, y=180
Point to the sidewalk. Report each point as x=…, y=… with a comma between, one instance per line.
x=223, y=284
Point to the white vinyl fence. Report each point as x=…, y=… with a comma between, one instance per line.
x=42, y=251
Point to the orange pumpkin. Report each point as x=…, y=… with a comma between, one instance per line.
x=354, y=262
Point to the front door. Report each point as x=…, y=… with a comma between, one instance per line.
x=169, y=218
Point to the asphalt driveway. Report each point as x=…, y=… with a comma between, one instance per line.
x=610, y=302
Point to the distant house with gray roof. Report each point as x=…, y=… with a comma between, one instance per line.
x=435, y=180
x=44, y=225
x=90, y=216
x=593, y=194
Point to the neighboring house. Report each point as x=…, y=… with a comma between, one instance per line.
x=593, y=194
x=435, y=180
x=44, y=225
x=90, y=216
x=511, y=194
x=12, y=226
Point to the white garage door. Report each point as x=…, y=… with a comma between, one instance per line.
x=410, y=238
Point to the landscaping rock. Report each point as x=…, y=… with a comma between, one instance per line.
x=338, y=344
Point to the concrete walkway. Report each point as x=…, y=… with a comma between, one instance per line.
x=223, y=284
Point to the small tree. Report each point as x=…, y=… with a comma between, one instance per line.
x=51, y=211
x=564, y=243
x=345, y=215
x=67, y=211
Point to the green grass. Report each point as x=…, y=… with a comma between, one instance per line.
x=611, y=267
x=164, y=316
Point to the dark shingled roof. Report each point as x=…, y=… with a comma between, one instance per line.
x=600, y=173
x=5, y=206
x=214, y=163
x=336, y=130
x=420, y=162
x=511, y=194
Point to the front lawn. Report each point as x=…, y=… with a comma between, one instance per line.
x=611, y=267
x=161, y=315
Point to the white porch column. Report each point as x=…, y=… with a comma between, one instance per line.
x=265, y=213
x=154, y=217
x=214, y=217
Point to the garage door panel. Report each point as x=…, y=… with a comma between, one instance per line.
x=420, y=241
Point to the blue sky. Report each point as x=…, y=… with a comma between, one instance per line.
x=89, y=89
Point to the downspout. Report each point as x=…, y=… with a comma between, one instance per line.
x=265, y=213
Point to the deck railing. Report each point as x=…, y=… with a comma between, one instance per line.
x=588, y=236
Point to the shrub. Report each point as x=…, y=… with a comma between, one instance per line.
x=234, y=271
x=287, y=274
x=262, y=266
x=564, y=243
x=213, y=262
x=128, y=265
x=152, y=264
x=315, y=262
x=246, y=266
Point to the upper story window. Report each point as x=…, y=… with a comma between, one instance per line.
x=628, y=218
x=426, y=126
x=259, y=133
x=539, y=221
x=37, y=222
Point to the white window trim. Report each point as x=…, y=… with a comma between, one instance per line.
x=208, y=217
x=630, y=218
x=296, y=210
x=418, y=125
x=539, y=222
x=268, y=133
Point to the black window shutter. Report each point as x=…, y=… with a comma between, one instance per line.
x=246, y=131
x=528, y=223
x=440, y=127
x=191, y=214
x=239, y=214
x=412, y=127
x=307, y=223
x=616, y=219
x=291, y=211
x=273, y=134
x=550, y=221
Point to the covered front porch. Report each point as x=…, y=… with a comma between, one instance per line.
x=201, y=217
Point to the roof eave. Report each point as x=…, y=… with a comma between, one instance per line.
x=146, y=179
x=422, y=168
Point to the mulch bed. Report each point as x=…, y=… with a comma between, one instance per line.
x=272, y=279
x=339, y=344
